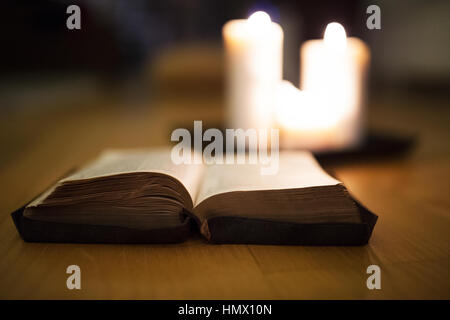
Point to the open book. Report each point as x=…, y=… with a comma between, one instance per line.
x=140, y=196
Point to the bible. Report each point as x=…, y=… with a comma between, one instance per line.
x=141, y=196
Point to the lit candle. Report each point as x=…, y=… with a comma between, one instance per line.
x=329, y=111
x=253, y=53
x=305, y=120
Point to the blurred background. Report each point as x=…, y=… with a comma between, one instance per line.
x=137, y=69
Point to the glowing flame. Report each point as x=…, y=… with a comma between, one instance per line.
x=258, y=21
x=335, y=37
x=259, y=18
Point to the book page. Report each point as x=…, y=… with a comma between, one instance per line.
x=112, y=162
x=297, y=169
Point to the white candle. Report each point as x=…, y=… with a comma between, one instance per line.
x=304, y=119
x=253, y=52
x=333, y=74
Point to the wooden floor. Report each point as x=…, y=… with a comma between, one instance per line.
x=410, y=243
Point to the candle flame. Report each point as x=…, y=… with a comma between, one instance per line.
x=335, y=36
x=259, y=19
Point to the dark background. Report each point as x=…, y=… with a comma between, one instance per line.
x=119, y=37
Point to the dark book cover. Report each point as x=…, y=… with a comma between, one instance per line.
x=222, y=230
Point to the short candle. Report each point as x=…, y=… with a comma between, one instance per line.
x=333, y=75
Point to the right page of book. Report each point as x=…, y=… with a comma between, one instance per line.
x=296, y=169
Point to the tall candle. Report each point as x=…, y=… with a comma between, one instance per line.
x=253, y=53
x=333, y=74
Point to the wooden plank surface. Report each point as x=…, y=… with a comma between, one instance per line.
x=411, y=196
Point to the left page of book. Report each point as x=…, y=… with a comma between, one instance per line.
x=113, y=162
